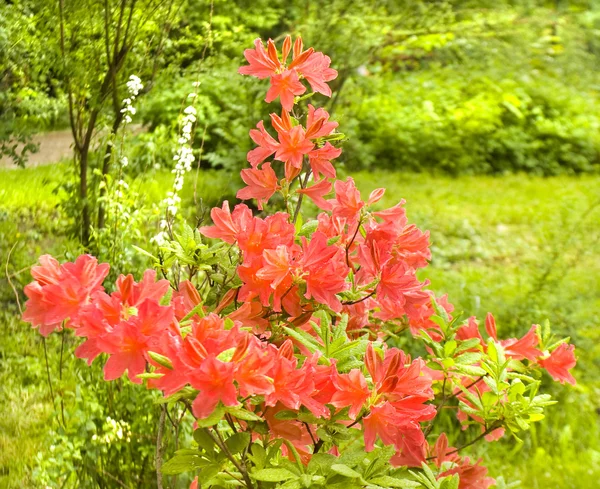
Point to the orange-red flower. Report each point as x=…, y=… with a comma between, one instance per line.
x=285, y=79
x=560, y=361
x=262, y=184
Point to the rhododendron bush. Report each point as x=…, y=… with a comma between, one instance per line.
x=279, y=333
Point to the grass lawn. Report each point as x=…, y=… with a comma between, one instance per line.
x=526, y=248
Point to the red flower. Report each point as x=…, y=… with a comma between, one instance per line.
x=277, y=266
x=347, y=203
x=293, y=146
x=325, y=271
x=394, y=429
x=351, y=390
x=560, y=361
x=490, y=326
x=318, y=123
x=290, y=384
x=60, y=292
x=262, y=184
x=524, y=347
x=129, y=342
x=227, y=226
x=285, y=80
x=320, y=160
x=214, y=380
x=285, y=85
x=262, y=64
x=472, y=476
x=316, y=193
x=397, y=281
x=317, y=72
x=131, y=294
x=470, y=330
x=267, y=145
x=251, y=373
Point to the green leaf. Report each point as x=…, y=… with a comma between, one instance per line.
x=198, y=309
x=182, y=462
x=344, y=470
x=450, y=347
x=304, y=338
x=299, y=223
x=272, y=475
x=468, y=358
x=387, y=481
x=321, y=462
x=286, y=414
x=213, y=419
x=149, y=375
x=144, y=252
x=237, y=442
x=258, y=455
x=450, y=482
x=470, y=370
x=204, y=440
x=467, y=345
x=226, y=355
x=334, y=240
x=244, y=414
x=308, y=228
x=492, y=350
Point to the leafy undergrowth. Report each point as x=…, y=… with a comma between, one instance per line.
x=526, y=248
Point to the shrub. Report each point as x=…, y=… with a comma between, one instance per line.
x=281, y=335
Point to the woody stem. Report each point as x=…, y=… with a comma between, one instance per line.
x=302, y=185
x=223, y=447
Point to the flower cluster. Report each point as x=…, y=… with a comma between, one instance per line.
x=184, y=158
x=134, y=86
x=286, y=79
x=287, y=346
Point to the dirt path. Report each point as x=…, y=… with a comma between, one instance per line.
x=53, y=147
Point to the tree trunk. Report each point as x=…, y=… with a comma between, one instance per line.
x=106, y=166
x=83, y=196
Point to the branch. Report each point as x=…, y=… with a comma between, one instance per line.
x=158, y=453
x=8, y=276
x=303, y=185
x=350, y=303
x=223, y=447
x=494, y=426
x=76, y=139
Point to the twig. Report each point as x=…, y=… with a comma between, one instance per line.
x=350, y=244
x=8, y=276
x=158, y=453
x=356, y=421
x=350, y=303
x=198, y=165
x=303, y=185
x=112, y=477
x=48, y=371
x=486, y=432
x=218, y=440
x=208, y=41
x=476, y=381
x=439, y=408
x=60, y=366
x=310, y=432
